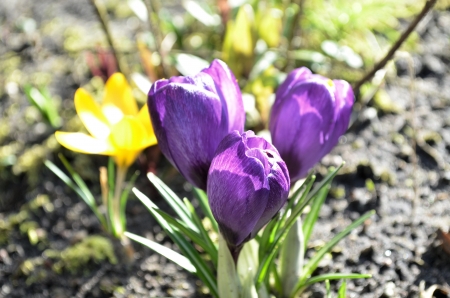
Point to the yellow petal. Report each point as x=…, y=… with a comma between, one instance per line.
x=126, y=158
x=91, y=115
x=144, y=118
x=128, y=135
x=112, y=113
x=81, y=142
x=118, y=93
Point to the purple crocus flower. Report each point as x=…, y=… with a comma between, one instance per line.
x=309, y=115
x=191, y=115
x=248, y=183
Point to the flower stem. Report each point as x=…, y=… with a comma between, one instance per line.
x=120, y=179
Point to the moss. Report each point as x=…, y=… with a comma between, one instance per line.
x=337, y=192
x=31, y=160
x=22, y=219
x=76, y=258
x=33, y=270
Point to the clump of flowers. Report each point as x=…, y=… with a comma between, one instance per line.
x=198, y=122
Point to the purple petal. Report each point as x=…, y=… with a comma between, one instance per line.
x=174, y=109
x=229, y=93
x=301, y=126
x=248, y=183
x=237, y=190
x=191, y=115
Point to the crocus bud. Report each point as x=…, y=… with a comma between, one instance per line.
x=248, y=183
x=308, y=116
x=191, y=115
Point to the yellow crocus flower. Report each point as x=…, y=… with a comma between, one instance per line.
x=116, y=126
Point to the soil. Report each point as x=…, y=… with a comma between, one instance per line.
x=397, y=154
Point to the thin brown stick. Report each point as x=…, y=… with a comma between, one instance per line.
x=102, y=16
x=153, y=9
x=293, y=30
x=428, y=6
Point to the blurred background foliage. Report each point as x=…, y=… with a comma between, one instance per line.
x=260, y=40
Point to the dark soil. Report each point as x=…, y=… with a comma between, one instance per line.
x=397, y=162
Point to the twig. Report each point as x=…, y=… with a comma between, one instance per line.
x=294, y=29
x=153, y=8
x=428, y=5
x=103, y=18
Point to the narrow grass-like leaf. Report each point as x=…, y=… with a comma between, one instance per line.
x=277, y=282
x=328, y=288
x=307, y=196
x=204, y=205
x=325, y=181
x=181, y=226
x=342, y=293
x=297, y=200
x=212, y=249
x=311, y=217
x=124, y=198
x=76, y=177
x=272, y=228
x=273, y=249
x=267, y=234
x=203, y=271
x=314, y=261
x=174, y=201
x=170, y=254
x=334, y=276
x=70, y=183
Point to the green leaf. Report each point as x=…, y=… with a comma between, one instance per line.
x=177, y=224
x=203, y=270
x=246, y=267
x=328, y=288
x=292, y=257
x=204, y=205
x=227, y=277
x=343, y=290
x=189, y=65
x=267, y=60
x=124, y=198
x=314, y=261
x=282, y=228
x=44, y=103
x=210, y=247
x=199, y=13
x=311, y=217
x=175, y=257
x=334, y=276
x=174, y=201
x=86, y=197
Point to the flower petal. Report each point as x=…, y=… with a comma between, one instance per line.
x=118, y=93
x=238, y=189
x=301, y=125
x=144, y=118
x=125, y=158
x=127, y=135
x=91, y=115
x=229, y=93
x=81, y=142
x=112, y=113
x=187, y=123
